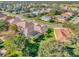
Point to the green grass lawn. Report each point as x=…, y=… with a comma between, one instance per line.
x=71, y=5
x=46, y=22
x=49, y=36
x=10, y=14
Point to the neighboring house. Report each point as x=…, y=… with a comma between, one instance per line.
x=48, y=9
x=63, y=17
x=67, y=14
x=35, y=13
x=46, y=18
x=63, y=34
x=65, y=8
x=42, y=10
x=75, y=20
x=74, y=8
x=31, y=9
x=59, y=18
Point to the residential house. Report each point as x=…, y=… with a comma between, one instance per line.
x=65, y=7
x=29, y=29
x=8, y=18
x=67, y=14
x=75, y=20
x=48, y=9
x=42, y=10
x=21, y=25
x=63, y=34
x=14, y=20
x=36, y=13
x=46, y=18
x=74, y=8
x=39, y=27
x=25, y=27
x=32, y=9
x=59, y=18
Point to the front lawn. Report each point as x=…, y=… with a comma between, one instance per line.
x=10, y=14
x=46, y=22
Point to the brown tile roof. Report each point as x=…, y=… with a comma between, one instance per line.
x=62, y=34
x=23, y=24
x=67, y=14
x=8, y=17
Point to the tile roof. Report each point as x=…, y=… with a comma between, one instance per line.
x=8, y=18
x=24, y=24
x=62, y=34
x=67, y=14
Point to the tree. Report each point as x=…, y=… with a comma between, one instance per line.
x=40, y=38
x=49, y=30
x=30, y=48
x=51, y=48
x=3, y=26
x=33, y=49
x=14, y=45
x=72, y=47
x=12, y=27
x=52, y=12
x=59, y=12
x=76, y=50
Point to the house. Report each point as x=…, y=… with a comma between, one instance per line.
x=65, y=7
x=46, y=18
x=8, y=18
x=29, y=28
x=48, y=9
x=36, y=13
x=39, y=27
x=63, y=34
x=74, y=9
x=21, y=25
x=25, y=27
x=67, y=14
x=32, y=9
x=59, y=18
x=75, y=20
x=42, y=10
x=14, y=20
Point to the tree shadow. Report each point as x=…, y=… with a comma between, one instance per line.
x=70, y=51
